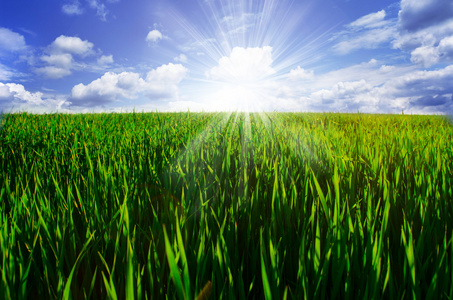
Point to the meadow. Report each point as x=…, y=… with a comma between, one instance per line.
x=226, y=206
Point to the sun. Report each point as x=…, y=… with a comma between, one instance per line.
x=242, y=52
x=240, y=78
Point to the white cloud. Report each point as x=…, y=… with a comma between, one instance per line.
x=18, y=92
x=369, y=39
x=163, y=81
x=171, y=73
x=244, y=65
x=342, y=95
x=10, y=40
x=105, y=60
x=386, y=68
x=101, y=9
x=73, y=45
x=426, y=56
x=181, y=57
x=418, y=14
x=368, y=32
x=5, y=73
x=411, y=91
x=426, y=30
x=300, y=74
x=160, y=83
x=54, y=72
x=73, y=8
x=430, y=55
x=109, y=87
x=60, y=61
x=154, y=36
x=370, y=20
x=15, y=98
x=63, y=60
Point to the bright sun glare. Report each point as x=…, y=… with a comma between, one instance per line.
x=242, y=77
x=247, y=48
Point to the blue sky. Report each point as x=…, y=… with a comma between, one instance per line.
x=212, y=55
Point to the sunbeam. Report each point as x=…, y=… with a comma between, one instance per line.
x=245, y=50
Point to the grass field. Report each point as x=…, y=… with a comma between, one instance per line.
x=235, y=206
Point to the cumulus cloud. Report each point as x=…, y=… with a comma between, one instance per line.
x=300, y=74
x=108, y=88
x=171, y=73
x=72, y=44
x=105, y=60
x=411, y=91
x=244, y=65
x=14, y=97
x=154, y=36
x=418, y=14
x=160, y=83
x=60, y=61
x=10, y=40
x=342, y=95
x=426, y=30
x=430, y=55
x=181, y=57
x=63, y=60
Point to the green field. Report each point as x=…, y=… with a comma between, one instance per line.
x=275, y=205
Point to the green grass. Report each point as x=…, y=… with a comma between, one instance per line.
x=235, y=206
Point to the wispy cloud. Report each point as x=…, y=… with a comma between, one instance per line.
x=368, y=32
x=73, y=8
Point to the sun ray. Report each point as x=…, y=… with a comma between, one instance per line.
x=242, y=52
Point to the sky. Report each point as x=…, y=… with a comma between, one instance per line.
x=218, y=55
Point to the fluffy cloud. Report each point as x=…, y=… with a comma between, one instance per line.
x=17, y=92
x=181, y=57
x=426, y=30
x=105, y=60
x=342, y=95
x=108, y=88
x=11, y=41
x=60, y=61
x=161, y=83
x=154, y=36
x=411, y=91
x=72, y=44
x=63, y=60
x=430, y=55
x=14, y=97
x=300, y=74
x=418, y=14
x=244, y=65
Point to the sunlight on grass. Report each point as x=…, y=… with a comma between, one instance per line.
x=226, y=205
